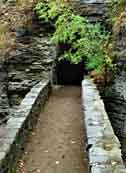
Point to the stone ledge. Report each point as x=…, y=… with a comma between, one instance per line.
x=13, y=135
x=103, y=147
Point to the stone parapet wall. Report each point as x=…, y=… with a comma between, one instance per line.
x=13, y=135
x=103, y=146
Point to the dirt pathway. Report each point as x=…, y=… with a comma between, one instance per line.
x=56, y=145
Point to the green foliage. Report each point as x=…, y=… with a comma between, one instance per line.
x=86, y=41
x=48, y=11
x=68, y=27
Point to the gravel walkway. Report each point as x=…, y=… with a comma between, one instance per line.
x=56, y=145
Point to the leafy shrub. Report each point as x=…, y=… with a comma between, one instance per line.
x=49, y=11
x=86, y=41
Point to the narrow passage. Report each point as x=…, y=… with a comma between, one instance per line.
x=57, y=144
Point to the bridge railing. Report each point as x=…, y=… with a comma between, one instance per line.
x=103, y=146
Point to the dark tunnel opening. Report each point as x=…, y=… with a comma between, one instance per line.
x=68, y=73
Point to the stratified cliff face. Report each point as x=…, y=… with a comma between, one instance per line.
x=31, y=63
x=94, y=10
x=29, y=58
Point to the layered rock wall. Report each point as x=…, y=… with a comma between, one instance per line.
x=29, y=57
x=93, y=10
x=31, y=64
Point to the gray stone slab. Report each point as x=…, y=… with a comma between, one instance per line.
x=2, y=156
x=98, y=155
x=8, y=132
x=93, y=131
x=108, y=169
x=5, y=145
x=15, y=122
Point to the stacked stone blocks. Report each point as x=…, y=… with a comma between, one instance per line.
x=103, y=146
x=13, y=134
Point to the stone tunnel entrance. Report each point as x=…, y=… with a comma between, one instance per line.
x=69, y=74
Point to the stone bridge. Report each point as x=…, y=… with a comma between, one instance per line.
x=74, y=133
x=101, y=144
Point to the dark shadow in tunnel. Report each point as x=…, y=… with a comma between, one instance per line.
x=69, y=74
